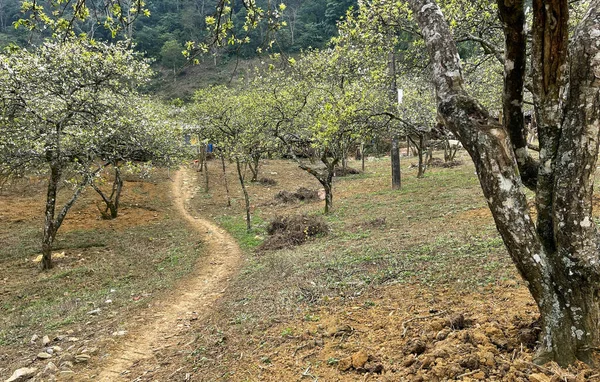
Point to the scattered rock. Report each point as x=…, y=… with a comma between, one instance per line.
x=496, y=336
x=359, y=359
x=44, y=355
x=409, y=360
x=22, y=374
x=66, y=375
x=94, y=312
x=538, y=377
x=339, y=330
x=374, y=367
x=457, y=322
x=442, y=335
x=345, y=364
x=34, y=339
x=120, y=333
x=479, y=375
x=57, y=349
x=46, y=340
x=415, y=346
x=81, y=358
x=469, y=362
x=50, y=369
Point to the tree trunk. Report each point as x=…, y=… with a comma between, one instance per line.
x=111, y=210
x=420, y=149
x=559, y=257
x=253, y=165
x=362, y=156
x=225, y=180
x=49, y=222
x=395, y=156
x=327, y=182
x=246, y=196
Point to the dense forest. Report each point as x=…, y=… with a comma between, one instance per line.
x=162, y=35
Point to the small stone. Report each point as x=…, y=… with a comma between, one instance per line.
x=50, y=369
x=441, y=335
x=345, y=364
x=120, y=333
x=108, y=302
x=46, y=340
x=94, y=312
x=72, y=339
x=457, y=321
x=415, y=346
x=57, y=349
x=44, y=355
x=81, y=358
x=539, y=377
x=90, y=350
x=408, y=361
x=479, y=375
x=50, y=351
x=22, y=374
x=374, y=367
x=67, y=375
x=34, y=339
x=359, y=359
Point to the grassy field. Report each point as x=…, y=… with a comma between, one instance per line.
x=407, y=285
x=110, y=267
x=423, y=255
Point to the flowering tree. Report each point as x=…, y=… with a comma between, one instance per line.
x=61, y=103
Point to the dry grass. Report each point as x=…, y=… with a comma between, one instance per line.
x=127, y=262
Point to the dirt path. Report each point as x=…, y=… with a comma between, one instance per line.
x=192, y=296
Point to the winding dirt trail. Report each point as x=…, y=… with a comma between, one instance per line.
x=196, y=293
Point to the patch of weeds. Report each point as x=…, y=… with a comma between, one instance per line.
x=285, y=332
x=236, y=226
x=333, y=361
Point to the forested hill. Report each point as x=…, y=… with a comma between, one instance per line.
x=310, y=23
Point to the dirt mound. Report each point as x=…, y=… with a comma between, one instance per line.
x=294, y=230
x=301, y=194
x=339, y=171
x=267, y=181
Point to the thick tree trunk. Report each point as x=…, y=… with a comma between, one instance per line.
x=559, y=257
x=246, y=196
x=49, y=222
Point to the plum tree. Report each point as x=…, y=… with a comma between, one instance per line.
x=61, y=102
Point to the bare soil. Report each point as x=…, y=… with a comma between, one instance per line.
x=165, y=324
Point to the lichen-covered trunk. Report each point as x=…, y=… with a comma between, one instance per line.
x=327, y=183
x=49, y=221
x=559, y=256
